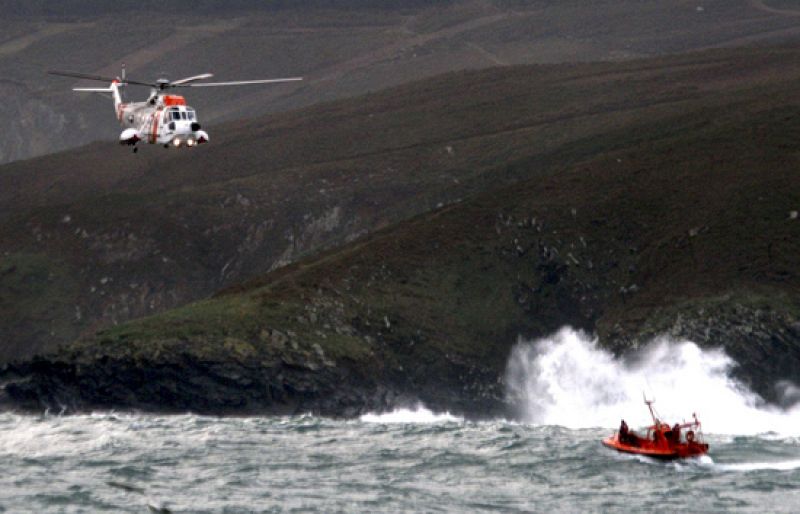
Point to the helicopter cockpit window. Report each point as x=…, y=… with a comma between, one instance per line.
x=183, y=115
x=176, y=115
x=191, y=115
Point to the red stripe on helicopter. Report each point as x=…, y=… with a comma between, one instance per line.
x=154, y=130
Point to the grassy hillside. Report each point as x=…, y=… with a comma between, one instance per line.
x=139, y=234
x=134, y=235
x=627, y=199
x=341, y=48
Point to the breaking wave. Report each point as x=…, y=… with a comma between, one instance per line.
x=419, y=414
x=567, y=380
x=787, y=465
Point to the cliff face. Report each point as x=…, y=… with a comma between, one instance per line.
x=31, y=124
x=630, y=200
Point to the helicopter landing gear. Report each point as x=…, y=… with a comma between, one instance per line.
x=135, y=149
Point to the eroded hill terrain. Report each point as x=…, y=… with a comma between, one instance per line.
x=630, y=199
x=352, y=49
x=98, y=236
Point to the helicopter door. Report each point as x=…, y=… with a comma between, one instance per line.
x=169, y=116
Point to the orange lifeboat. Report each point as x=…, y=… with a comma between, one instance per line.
x=661, y=441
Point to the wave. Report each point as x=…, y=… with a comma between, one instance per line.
x=708, y=463
x=786, y=465
x=567, y=380
x=419, y=414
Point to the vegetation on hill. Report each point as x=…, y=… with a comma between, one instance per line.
x=631, y=200
x=136, y=236
x=343, y=48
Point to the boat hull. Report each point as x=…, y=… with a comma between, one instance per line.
x=657, y=450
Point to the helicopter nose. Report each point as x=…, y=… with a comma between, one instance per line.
x=195, y=126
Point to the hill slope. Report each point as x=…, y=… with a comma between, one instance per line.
x=342, y=48
x=98, y=236
x=650, y=197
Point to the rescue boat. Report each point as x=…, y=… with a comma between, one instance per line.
x=661, y=441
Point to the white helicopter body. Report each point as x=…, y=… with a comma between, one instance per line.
x=163, y=118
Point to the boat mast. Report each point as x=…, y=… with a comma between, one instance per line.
x=650, y=406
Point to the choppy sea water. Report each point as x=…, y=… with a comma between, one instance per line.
x=412, y=462
x=570, y=395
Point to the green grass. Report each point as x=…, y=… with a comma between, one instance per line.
x=642, y=152
x=33, y=286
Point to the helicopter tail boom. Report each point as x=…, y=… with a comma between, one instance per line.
x=112, y=89
x=93, y=89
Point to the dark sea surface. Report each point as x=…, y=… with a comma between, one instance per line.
x=569, y=396
x=411, y=461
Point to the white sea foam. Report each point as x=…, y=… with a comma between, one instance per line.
x=419, y=414
x=567, y=380
x=786, y=465
x=44, y=436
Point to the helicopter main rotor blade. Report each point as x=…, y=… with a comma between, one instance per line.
x=96, y=77
x=81, y=75
x=174, y=83
x=239, y=82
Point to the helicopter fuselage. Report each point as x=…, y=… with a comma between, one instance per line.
x=162, y=119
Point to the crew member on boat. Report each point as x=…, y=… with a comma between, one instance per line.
x=676, y=433
x=626, y=435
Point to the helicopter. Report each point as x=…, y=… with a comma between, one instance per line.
x=163, y=118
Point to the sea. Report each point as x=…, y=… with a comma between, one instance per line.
x=546, y=456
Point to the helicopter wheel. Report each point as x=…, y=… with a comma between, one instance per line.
x=135, y=149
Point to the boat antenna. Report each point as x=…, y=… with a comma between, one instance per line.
x=649, y=404
x=646, y=381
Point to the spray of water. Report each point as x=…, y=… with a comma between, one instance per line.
x=420, y=414
x=567, y=380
